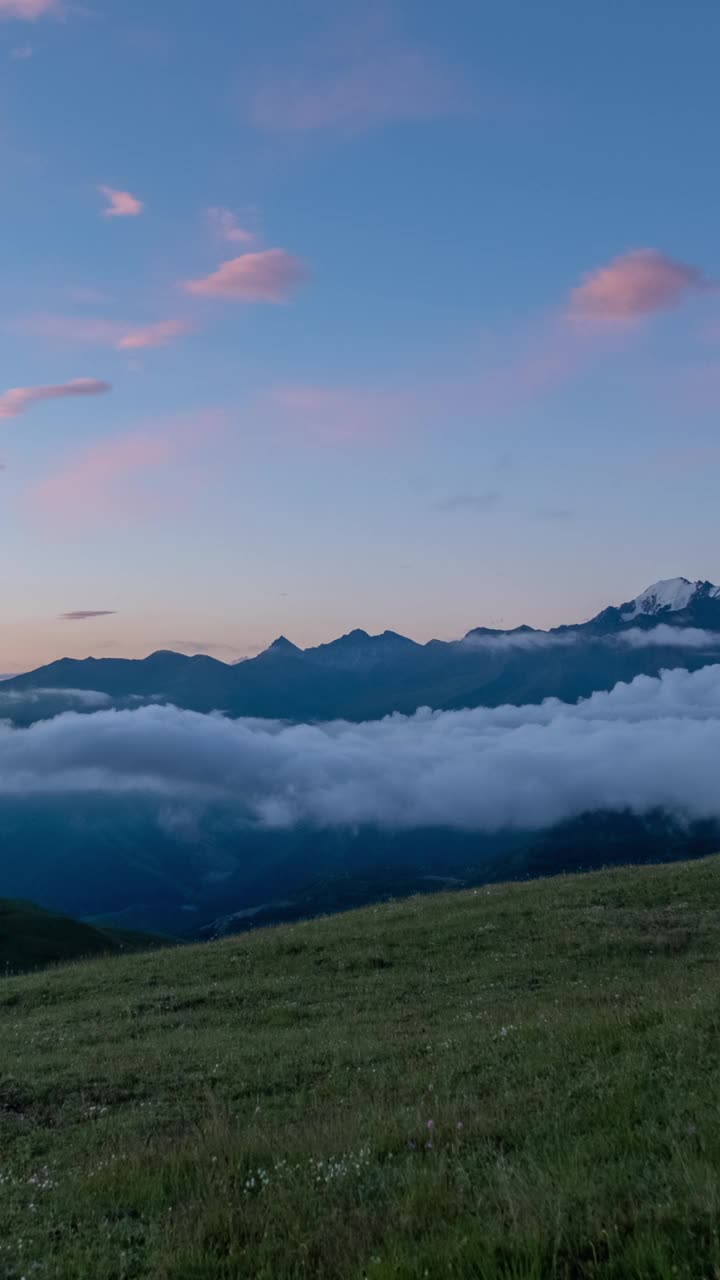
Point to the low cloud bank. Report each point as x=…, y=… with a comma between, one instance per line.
x=653, y=743
x=524, y=640
x=35, y=697
x=662, y=636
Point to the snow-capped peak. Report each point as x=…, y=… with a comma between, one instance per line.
x=670, y=595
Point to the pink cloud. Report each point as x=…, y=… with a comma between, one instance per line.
x=371, y=89
x=269, y=276
x=341, y=414
x=123, y=477
x=121, y=204
x=91, y=485
x=552, y=356
x=18, y=399
x=79, y=329
x=633, y=285
x=29, y=10
x=155, y=335
x=83, y=615
x=226, y=226
x=107, y=333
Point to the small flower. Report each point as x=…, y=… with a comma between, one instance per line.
x=431, y=1124
x=459, y=1125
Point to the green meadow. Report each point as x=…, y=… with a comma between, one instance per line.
x=519, y=1081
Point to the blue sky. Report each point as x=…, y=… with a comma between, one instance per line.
x=461, y=364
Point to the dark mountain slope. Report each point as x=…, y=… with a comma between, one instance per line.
x=32, y=938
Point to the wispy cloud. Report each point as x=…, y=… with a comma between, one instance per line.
x=83, y=330
x=270, y=276
x=226, y=227
x=338, y=414
x=634, y=285
x=362, y=414
x=121, y=204
x=525, y=640
x=155, y=335
x=29, y=10
x=122, y=478
x=90, y=486
x=22, y=53
x=82, y=615
x=371, y=88
x=98, y=331
x=18, y=399
x=469, y=501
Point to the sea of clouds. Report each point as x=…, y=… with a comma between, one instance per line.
x=652, y=743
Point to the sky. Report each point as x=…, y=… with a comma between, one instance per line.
x=323, y=315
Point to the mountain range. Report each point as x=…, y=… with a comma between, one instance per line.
x=675, y=622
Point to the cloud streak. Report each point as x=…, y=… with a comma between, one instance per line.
x=349, y=414
x=653, y=743
x=226, y=226
x=97, y=331
x=373, y=88
x=154, y=335
x=18, y=399
x=269, y=276
x=82, y=615
x=28, y=10
x=127, y=476
x=469, y=501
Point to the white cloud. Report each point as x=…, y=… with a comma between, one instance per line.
x=521, y=640
x=664, y=636
x=652, y=743
x=33, y=697
x=661, y=636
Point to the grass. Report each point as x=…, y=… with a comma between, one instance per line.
x=519, y=1081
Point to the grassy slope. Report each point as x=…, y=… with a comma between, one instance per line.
x=519, y=1081
x=32, y=938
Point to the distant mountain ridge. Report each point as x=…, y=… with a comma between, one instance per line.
x=674, y=622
